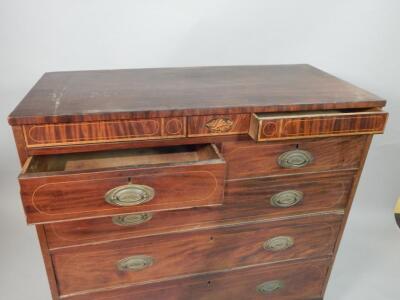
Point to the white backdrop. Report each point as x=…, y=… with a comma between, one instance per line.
x=357, y=40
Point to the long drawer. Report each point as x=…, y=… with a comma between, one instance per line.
x=262, y=198
x=161, y=257
x=248, y=159
x=289, y=281
x=70, y=186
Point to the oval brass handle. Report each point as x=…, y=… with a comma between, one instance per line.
x=286, y=198
x=131, y=220
x=295, y=159
x=135, y=263
x=279, y=243
x=129, y=195
x=270, y=287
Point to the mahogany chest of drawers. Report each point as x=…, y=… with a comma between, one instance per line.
x=192, y=183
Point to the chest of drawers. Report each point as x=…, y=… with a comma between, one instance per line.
x=192, y=183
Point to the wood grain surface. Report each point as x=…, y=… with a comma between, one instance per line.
x=80, y=268
x=81, y=193
x=80, y=134
x=44, y=135
x=352, y=193
x=245, y=201
x=302, y=281
x=145, y=93
x=48, y=263
x=270, y=127
x=248, y=159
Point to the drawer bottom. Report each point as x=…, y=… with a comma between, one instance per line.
x=285, y=281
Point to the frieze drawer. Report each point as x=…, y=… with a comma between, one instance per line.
x=309, y=124
x=62, y=134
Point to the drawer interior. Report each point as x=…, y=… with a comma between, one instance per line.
x=78, y=162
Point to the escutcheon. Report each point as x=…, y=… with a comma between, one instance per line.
x=129, y=195
x=270, y=287
x=286, y=198
x=135, y=263
x=279, y=243
x=131, y=220
x=295, y=159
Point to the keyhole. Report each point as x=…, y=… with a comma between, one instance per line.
x=211, y=238
x=297, y=146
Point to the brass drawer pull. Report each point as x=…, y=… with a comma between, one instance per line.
x=129, y=195
x=279, y=243
x=295, y=159
x=130, y=220
x=135, y=263
x=286, y=198
x=270, y=287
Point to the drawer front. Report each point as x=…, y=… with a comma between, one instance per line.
x=218, y=125
x=280, y=197
x=45, y=135
x=244, y=200
x=267, y=127
x=63, y=198
x=291, y=281
x=155, y=258
x=65, y=195
x=246, y=159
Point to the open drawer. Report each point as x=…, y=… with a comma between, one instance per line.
x=310, y=124
x=84, y=185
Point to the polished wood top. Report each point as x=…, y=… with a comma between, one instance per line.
x=142, y=93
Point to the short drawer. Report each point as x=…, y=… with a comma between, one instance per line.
x=289, y=281
x=288, y=196
x=309, y=124
x=71, y=186
x=247, y=159
x=161, y=257
x=256, y=199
